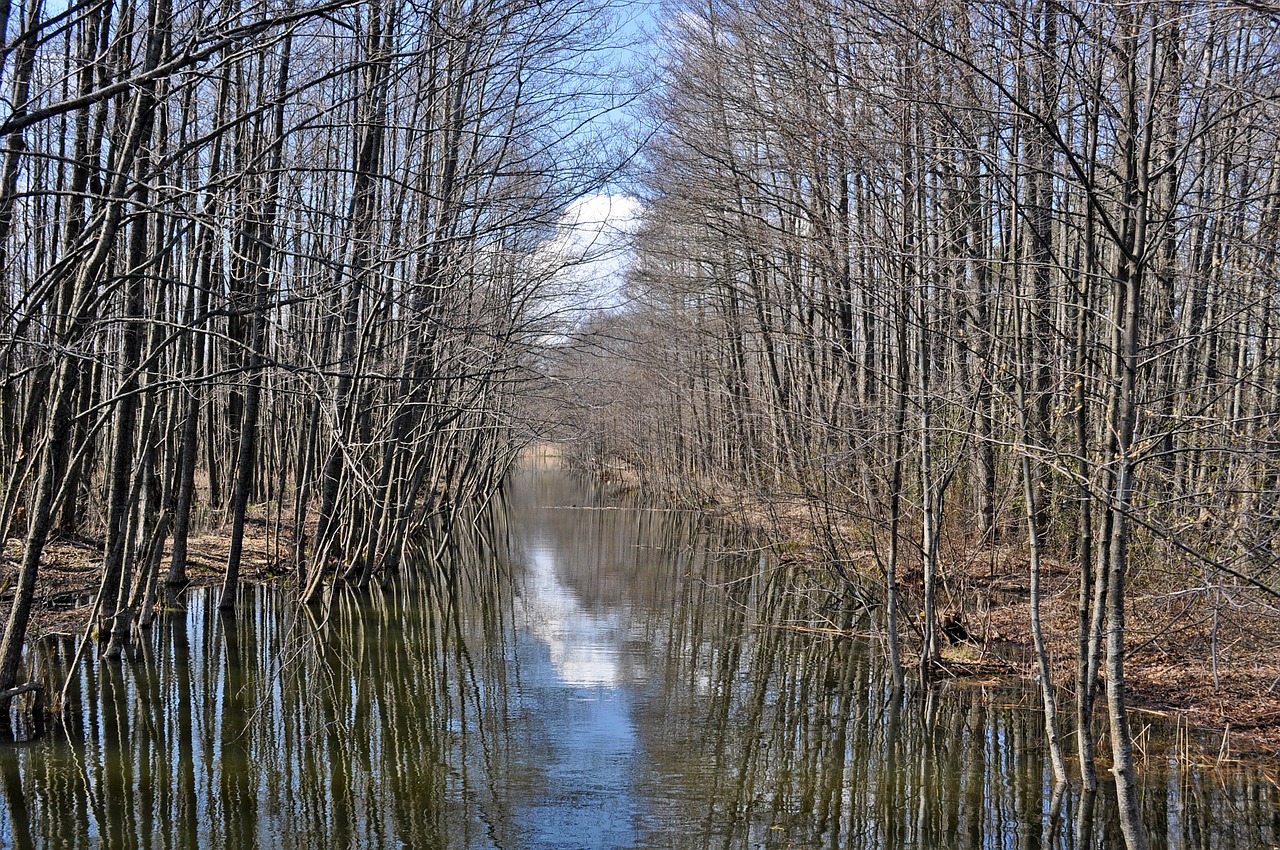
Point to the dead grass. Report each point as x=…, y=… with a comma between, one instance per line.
x=1222, y=679
x=1175, y=665
x=71, y=569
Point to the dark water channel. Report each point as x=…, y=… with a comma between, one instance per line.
x=575, y=672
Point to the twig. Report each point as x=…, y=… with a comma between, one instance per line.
x=21, y=689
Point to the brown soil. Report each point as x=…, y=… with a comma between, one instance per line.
x=1228, y=685
x=71, y=569
x=1218, y=674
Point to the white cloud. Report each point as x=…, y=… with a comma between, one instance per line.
x=592, y=252
x=582, y=646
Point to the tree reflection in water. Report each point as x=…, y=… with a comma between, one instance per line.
x=571, y=671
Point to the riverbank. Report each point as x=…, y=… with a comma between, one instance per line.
x=72, y=568
x=1195, y=660
x=1215, y=671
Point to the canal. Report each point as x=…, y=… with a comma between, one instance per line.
x=575, y=669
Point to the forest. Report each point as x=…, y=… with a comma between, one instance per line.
x=934, y=282
x=988, y=283
x=289, y=255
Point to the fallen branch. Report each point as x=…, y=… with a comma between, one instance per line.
x=5, y=696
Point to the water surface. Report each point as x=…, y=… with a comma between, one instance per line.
x=573, y=671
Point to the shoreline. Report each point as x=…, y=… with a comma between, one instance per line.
x=71, y=569
x=1168, y=672
x=1217, y=677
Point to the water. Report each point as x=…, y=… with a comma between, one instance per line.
x=574, y=672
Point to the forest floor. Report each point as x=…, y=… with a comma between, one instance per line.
x=72, y=567
x=1201, y=659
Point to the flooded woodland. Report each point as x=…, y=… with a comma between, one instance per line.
x=574, y=669
x=912, y=369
